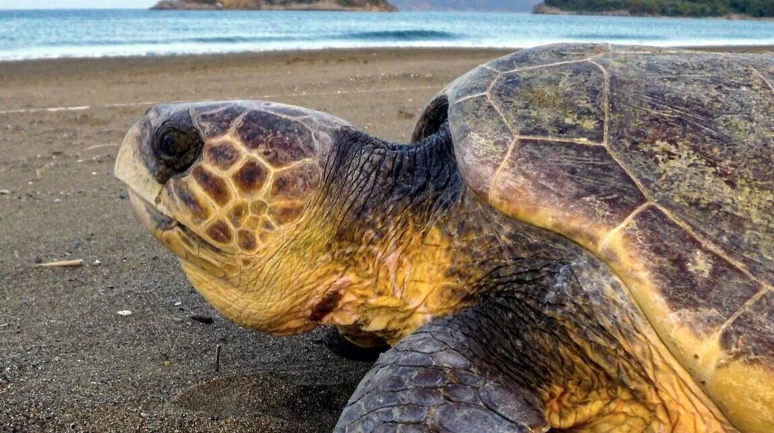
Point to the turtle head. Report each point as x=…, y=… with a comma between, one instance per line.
x=225, y=186
x=285, y=218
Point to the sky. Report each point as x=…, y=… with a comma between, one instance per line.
x=75, y=4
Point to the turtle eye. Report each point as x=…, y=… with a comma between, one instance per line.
x=176, y=150
x=169, y=146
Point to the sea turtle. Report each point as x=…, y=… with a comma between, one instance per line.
x=580, y=238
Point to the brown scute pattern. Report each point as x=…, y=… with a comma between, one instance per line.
x=701, y=288
x=582, y=180
x=285, y=212
x=187, y=200
x=238, y=214
x=264, y=237
x=219, y=231
x=217, y=121
x=258, y=207
x=252, y=223
x=751, y=336
x=184, y=238
x=697, y=131
x=763, y=65
x=561, y=101
x=251, y=177
x=638, y=49
x=547, y=55
x=222, y=155
x=247, y=241
x=322, y=122
x=476, y=82
x=277, y=140
x=481, y=140
x=268, y=226
x=285, y=110
x=296, y=182
x=213, y=185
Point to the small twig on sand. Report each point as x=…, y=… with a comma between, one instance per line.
x=202, y=319
x=217, y=358
x=100, y=145
x=61, y=264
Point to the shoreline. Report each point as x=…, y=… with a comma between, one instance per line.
x=248, y=53
x=310, y=51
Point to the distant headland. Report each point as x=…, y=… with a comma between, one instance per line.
x=316, y=5
x=662, y=8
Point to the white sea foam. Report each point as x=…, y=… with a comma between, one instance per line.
x=60, y=34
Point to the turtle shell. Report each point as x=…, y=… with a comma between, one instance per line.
x=661, y=163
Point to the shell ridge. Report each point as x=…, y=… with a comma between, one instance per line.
x=606, y=105
x=623, y=225
x=745, y=307
x=758, y=73
x=548, y=65
x=582, y=141
x=704, y=242
x=755, y=70
x=500, y=112
x=497, y=78
x=500, y=169
x=463, y=99
x=710, y=246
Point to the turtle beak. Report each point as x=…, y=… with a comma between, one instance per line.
x=144, y=191
x=131, y=167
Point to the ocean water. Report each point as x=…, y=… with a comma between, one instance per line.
x=100, y=33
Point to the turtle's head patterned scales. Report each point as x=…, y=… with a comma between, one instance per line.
x=221, y=184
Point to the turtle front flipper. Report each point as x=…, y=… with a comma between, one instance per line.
x=440, y=379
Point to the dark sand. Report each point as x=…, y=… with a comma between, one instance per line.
x=68, y=361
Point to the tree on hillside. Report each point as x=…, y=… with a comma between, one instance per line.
x=692, y=8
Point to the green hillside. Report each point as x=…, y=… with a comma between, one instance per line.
x=686, y=8
x=354, y=5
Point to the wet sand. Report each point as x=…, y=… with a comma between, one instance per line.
x=68, y=360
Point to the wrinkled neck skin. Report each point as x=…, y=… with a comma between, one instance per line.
x=393, y=240
x=400, y=216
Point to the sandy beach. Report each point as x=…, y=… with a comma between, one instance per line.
x=68, y=361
